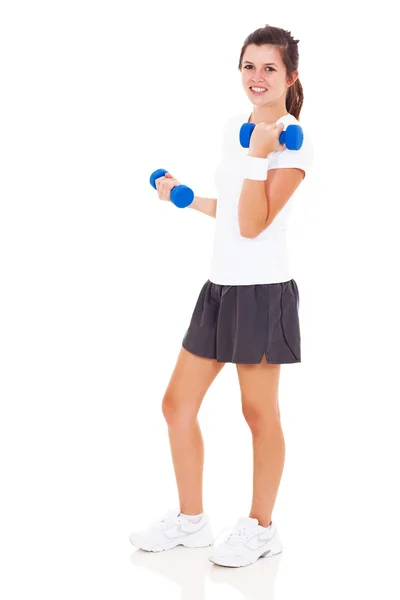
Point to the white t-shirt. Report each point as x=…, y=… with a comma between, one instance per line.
x=237, y=260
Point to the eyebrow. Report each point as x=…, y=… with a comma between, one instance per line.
x=265, y=64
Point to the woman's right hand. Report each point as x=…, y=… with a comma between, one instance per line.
x=164, y=186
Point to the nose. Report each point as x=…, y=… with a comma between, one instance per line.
x=257, y=76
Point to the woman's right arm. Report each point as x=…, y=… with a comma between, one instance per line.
x=208, y=206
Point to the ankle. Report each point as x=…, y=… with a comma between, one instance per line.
x=192, y=513
x=192, y=518
x=262, y=522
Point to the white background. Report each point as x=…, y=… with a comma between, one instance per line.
x=99, y=279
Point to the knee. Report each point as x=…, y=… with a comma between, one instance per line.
x=260, y=421
x=169, y=409
x=175, y=412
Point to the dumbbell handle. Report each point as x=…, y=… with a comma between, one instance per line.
x=180, y=195
x=292, y=136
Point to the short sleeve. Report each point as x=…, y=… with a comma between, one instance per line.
x=231, y=131
x=293, y=159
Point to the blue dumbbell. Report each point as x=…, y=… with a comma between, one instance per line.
x=292, y=136
x=180, y=195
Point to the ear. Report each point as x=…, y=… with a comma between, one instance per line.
x=292, y=78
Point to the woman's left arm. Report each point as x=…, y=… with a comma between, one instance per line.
x=261, y=201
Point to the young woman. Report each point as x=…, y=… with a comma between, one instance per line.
x=246, y=312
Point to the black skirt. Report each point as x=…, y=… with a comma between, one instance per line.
x=241, y=323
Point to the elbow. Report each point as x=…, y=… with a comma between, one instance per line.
x=253, y=231
x=248, y=228
x=246, y=233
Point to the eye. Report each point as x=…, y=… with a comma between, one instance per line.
x=251, y=66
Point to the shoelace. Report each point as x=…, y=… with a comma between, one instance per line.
x=237, y=536
x=166, y=520
x=234, y=536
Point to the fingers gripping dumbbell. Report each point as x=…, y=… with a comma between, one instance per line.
x=292, y=136
x=181, y=195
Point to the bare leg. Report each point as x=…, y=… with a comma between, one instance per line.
x=259, y=388
x=188, y=385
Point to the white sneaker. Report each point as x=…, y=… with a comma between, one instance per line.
x=173, y=530
x=247, y=542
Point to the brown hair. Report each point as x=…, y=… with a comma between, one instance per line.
x=275, y=36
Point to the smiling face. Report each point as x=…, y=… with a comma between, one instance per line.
x=264, y=76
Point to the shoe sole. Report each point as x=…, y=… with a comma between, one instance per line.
x=169, y=546
x=273, y=550
x=186, y=541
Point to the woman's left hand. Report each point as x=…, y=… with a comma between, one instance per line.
x=265, y=139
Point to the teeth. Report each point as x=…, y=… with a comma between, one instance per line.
x=259, y=89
